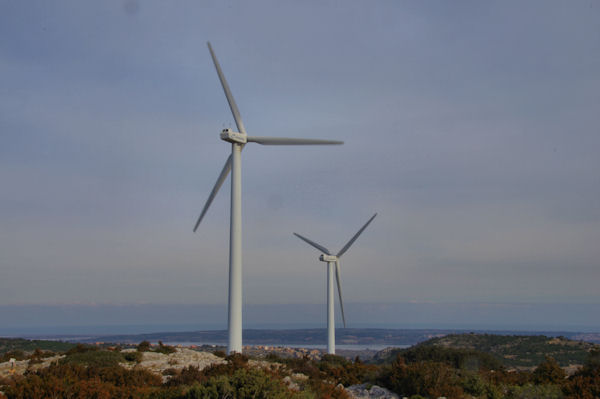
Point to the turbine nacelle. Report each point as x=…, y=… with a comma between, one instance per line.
x=328, y=258
x=233, y=137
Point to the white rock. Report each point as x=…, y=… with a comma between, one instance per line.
x=375, y=392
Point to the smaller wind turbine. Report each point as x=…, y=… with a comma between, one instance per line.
x=326, y=256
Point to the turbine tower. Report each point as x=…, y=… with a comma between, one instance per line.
x=326, y=256
x=238, y=140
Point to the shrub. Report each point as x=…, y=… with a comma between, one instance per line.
x=166, y=349
x=549, y=372
x=14, y=354
x=427, y=378
x=76, y=381
x=530, y=391
x=170, y=371
x=81, y=348
x=345, y=372
x=468, y=359
x=143, y=346
x=585, y=383
x=94, y=358
x=133, y=356
x=242, y=384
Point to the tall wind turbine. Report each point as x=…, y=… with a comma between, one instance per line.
x=326, y=256
x=238, y=140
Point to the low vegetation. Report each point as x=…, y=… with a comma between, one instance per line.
x=26, y=345
x=516, y=350
x=423, y=371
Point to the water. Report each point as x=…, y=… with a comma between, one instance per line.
x=355, y=347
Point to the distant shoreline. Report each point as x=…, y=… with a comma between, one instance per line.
x=353, y=338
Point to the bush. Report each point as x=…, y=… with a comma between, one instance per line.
x=95, y=358
x=530, y=391
x=432, y=379
x=242, y=384
x=143, y=346
x=549, y=372
x=14, y=354
x=133, y=356
x=77, y=381
x=585, y=383
x=166, y=349
x=345, y=372
x=81, y=348
x=468, y=359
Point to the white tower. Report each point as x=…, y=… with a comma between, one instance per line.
x=234, y=164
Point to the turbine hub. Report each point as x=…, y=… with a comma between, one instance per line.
x=328, y=258
x=233, y=137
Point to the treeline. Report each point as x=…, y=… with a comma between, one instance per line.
x=420, y=372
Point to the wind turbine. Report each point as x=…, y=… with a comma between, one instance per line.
x=326, y=256
x=238, y=140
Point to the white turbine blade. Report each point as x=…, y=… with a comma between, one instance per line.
x=339, y=285
x=230, y=100
x=215, y=190
x=290, y=141
x=343, y=250
x=314, y=244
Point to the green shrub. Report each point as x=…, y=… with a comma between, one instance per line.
x=468, y=359
x=242, y=384
x=94, y=358
x=132, y=356
x=530, y=391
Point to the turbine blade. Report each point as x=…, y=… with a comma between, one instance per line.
x=314, y=244
x=290, y=141
x=215, y=190
x=230, y=100
x=339, y=285
x=343, y=250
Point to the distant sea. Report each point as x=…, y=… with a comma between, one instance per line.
x=346, y=338
x=299, y=345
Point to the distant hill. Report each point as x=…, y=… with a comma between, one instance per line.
x=365, y=337
x=297, y=337
x=511, y=350
x=26, y=345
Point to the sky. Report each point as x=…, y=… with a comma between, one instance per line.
x=472, y=128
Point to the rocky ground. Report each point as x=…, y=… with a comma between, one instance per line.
x=160, y=363
x=20, y=366
x=182, y=357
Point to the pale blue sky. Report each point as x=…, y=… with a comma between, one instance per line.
x=471, y=127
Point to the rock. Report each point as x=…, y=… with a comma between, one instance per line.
x=366, y=391
x=291, y=384
x=183, y=357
